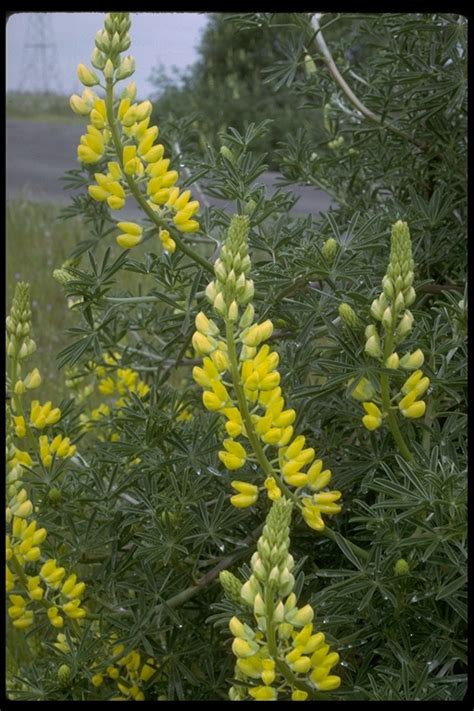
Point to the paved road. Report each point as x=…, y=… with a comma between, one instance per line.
x=38, y=154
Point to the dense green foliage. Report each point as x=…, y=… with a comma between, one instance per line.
x=149, y=535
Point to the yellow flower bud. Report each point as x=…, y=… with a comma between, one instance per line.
x=154, y=154
x=372, y=409
x=235, y=448
x=263, y=693
x=371, y=423
x=328, y=684
x=258, y=333
x=273, y=490
x=130, y=228
x=78, y=105
x=20, y=387
x=86, y=76
x=115, y=203
x=242, y=501
x=231, y=461
x=25, y=621
x=242, y=648
x=303, y=617
x=39, y=536
x=97, y=193
x=244, y=487
x=143, y=110
x=33, y=554
x=24, y=510
x=372, y=346
x=393, y=361
x=422, y=386
x=212, y=401
x=417, y=409
x=203, y=324
x=20, y=426
x=108, y=69
x=128, y=241
x=87, y=155
x=167, y=241
x=236, y=627
x=188, y=226
x=295, y=447
x=299, y=695
x=302, y=665
x=69, y=584
x=203, y=344
x=408, y=400
x=297, y=480
x=412, y=381
x=147, y=671
x=48, y=568
x=412, y=361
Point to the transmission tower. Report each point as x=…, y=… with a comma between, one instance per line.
x=40, y=68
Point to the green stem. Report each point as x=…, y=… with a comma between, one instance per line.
x=355, y=101
x=267, y=468
x=16, y=399
x=19, y=571
x=135, y=190
x=329, y=533
x=385, y=393
x=131, y=299
x=426, y=439
x=209, y=577
x=253, y=437
x=281, y=666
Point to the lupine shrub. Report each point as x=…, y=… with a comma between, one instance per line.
x=255, y=488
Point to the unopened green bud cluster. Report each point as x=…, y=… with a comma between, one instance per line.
x=62, y=276
x=393, y=323
x=329, y=249
x=398, y=293
x=18, y=323
x=401, y=567
x=64, y=674
x=231, y=288
x=348, y=316
x=109, y=43
x=231, y=585
x=271, y=563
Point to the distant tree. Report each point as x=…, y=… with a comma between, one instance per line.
x=229, y=84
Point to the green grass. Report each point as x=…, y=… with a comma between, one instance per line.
x=40, y=107
x=37, y=243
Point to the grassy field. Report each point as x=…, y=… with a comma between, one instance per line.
x=40, y=107
x=37, y=243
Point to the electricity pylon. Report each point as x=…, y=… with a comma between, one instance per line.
x=40, y=68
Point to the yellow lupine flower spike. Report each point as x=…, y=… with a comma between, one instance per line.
x=40, y=583
x=393, y=323
x=272, y=604
x=134, y=143
x=255, y=410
